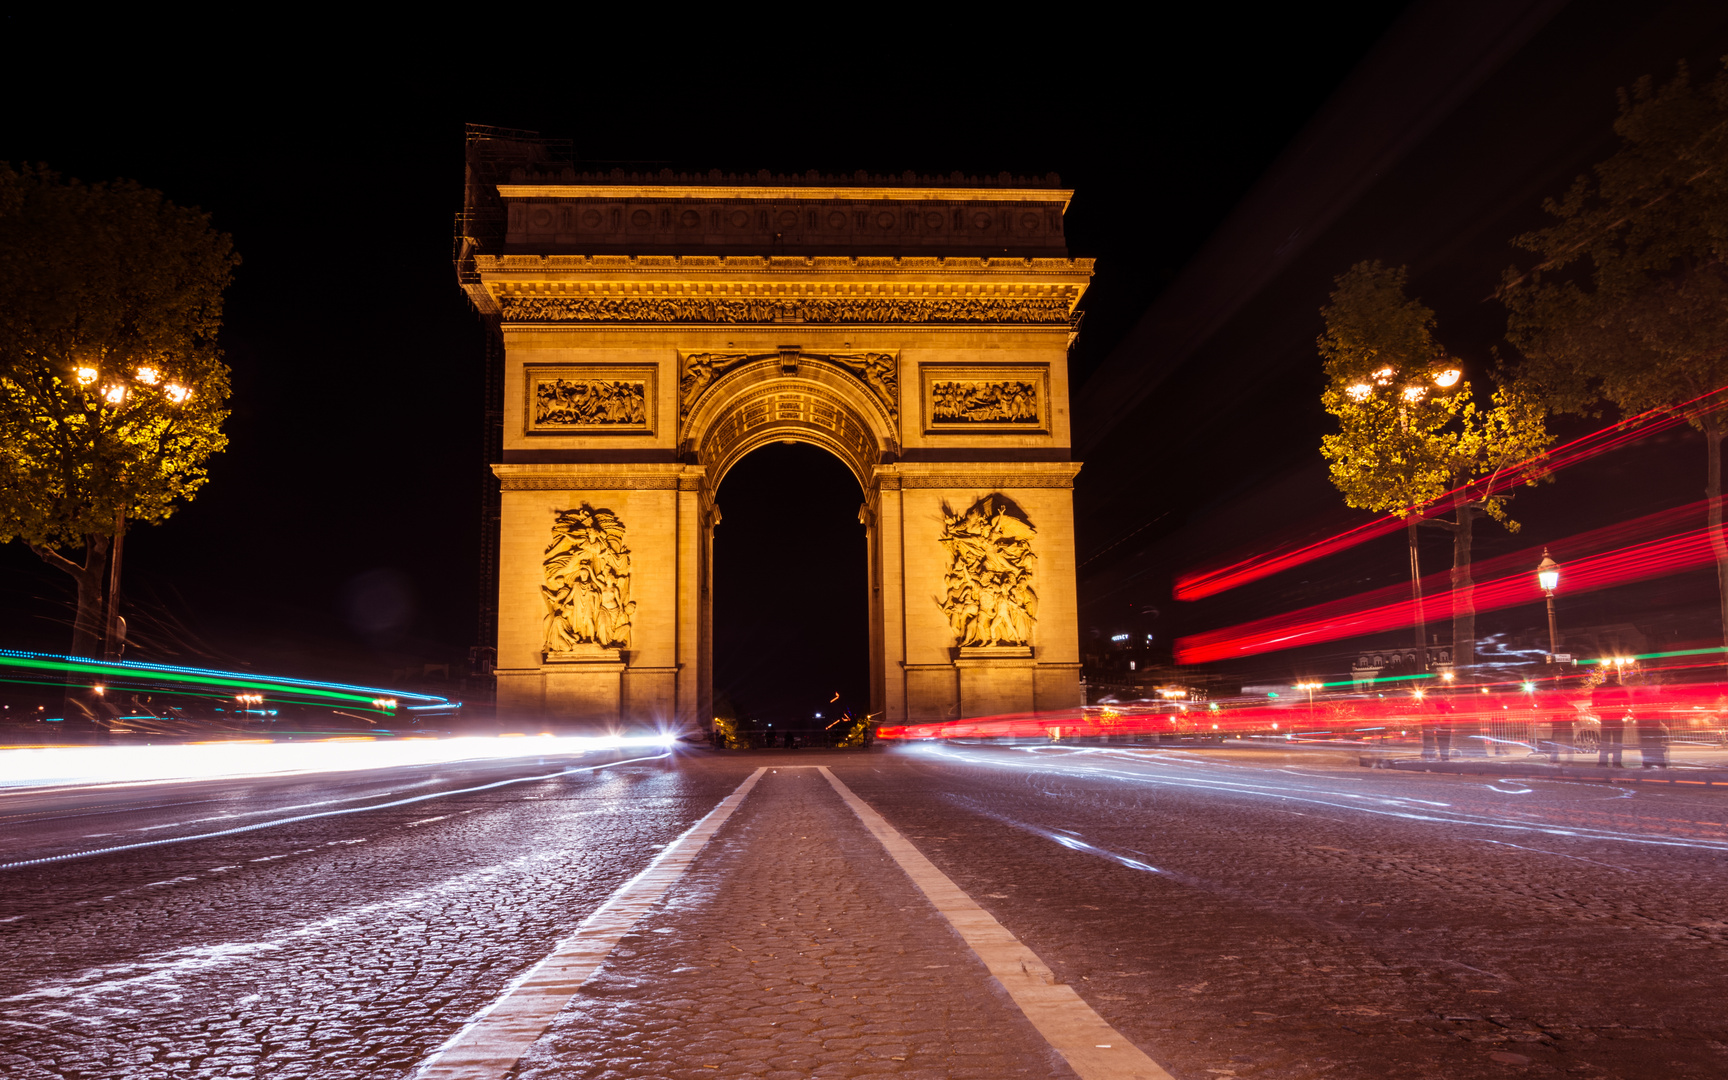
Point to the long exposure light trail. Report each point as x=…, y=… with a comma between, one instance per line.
x=1362, y=720
x=1378, y=610
x=132, y=675
x=293, y=819
x=64, y=765
x=1201, y=775
x=1200, y=583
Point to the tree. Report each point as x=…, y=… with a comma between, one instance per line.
x=1628, y=303
x=1410, y=430
x=112, y=389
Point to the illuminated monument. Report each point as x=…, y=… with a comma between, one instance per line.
x=656, y=329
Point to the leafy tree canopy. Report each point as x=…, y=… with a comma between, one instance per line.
x=1410, y=428
x=112, y=390
x=1629, y=301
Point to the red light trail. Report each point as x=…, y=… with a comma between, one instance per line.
x=1470, y=713
x=1197, y=584
x=1377, y=611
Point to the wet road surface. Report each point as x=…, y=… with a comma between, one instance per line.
x=1233, y=913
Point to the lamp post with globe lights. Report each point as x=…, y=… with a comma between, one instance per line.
x=1408, y=395
x=114, y=394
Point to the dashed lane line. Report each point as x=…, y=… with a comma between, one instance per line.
x=490, y=1044
x=1093, y=1049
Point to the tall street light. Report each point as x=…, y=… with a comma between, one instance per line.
x=1548, y=576
x=1409, y=395
x=144, y=380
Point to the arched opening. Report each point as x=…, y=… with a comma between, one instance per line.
x=790, y=587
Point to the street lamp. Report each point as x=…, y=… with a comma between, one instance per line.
x=1548, y=576
x=115, y=394
x=1410, y=394
x=1310, y=687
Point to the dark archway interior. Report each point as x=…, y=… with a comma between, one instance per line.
x=791, y=610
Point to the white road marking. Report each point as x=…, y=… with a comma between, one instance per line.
x=1092, y=1048
x=494, y=1039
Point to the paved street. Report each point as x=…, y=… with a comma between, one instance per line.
x=1242, y=913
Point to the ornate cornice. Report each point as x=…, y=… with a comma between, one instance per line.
x=784, y=192
x=589, y=483
x=990, y=482
x=731, y=266
x=859, y=310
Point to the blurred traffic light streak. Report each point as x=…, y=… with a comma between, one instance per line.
x=1519, y=716
x=1378, y=611
x=1200, y=583
x=140, y=678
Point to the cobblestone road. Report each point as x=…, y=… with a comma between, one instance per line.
x=343, y=947
x=794, y=948
x=1234, y=913
x=1266, y=915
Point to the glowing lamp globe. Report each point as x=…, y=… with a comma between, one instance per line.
x=1548, y=573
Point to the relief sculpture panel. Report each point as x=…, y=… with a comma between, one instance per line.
x=570, y=400
x=988, y=594
x=985, y=402
x=587, y=589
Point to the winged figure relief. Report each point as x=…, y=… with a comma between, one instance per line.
x=987, y=589
x=587, y=589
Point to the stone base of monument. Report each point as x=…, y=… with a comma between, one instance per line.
x=585, y=683
x=996, y=679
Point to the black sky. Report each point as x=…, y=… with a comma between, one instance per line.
x=332, y=153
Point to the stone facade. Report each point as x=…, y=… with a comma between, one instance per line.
x=648, y=348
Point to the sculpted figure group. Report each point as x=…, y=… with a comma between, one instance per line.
x=587, y=589
x=572, y=402
x=985, y=402
x=987, y=590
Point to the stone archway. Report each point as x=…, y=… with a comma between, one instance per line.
x=932, y=322
x=734, y=403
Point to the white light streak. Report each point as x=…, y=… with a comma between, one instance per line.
x=77, y=765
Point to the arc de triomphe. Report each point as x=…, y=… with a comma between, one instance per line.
x=657, y=329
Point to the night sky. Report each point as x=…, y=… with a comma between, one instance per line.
x=338, y=534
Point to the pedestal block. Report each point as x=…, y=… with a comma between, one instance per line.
x=585, y=683
x=996, y=679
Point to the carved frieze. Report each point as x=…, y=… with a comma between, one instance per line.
x=580, y=403
x=988, y=593
x=880, y=372
x=1007, y=402
x=587, y=586
x=1043, y=311
x=977, y=399
x=586, y=400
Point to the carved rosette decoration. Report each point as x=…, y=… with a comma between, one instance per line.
x=589, y=402
x=1036, y=310
x=587, y=589
x=878, y=371
x=987, y=590
x=1012, y=402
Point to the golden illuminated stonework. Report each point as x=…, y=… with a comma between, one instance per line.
x=587, y=589
x=987, y=591
x=654, y=331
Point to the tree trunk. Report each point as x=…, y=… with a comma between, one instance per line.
x=87, y=624
x=1713, y=493
x=1463, y=593
x=1416, y=596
